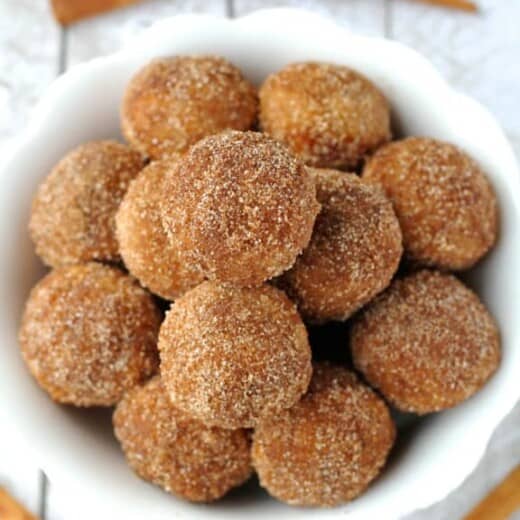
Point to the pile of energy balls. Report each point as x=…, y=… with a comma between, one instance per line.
x=258, y=213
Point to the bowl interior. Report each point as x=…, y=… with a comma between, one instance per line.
x=76, y=447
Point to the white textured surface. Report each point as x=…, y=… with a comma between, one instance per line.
x=363, y=16
x=106, y=34
x=29, y=46
x=20, y=477
x=477, y=54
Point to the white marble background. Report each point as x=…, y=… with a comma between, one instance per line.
x=478, y=54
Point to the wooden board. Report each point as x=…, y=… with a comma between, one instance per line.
x=107, y=33
x=363, y=16
x=476, y=53
x=29, y=44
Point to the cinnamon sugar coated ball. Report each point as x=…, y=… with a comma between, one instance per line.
x=427, y=343
x=73, y=212
x=230, y=356
x=329, y=115
x=446, y=207
x=173, y=102
x=143, y=243
x=170, y=449
x=241, y=207
x=89, y=333
x=353, y=253
x=326, y=449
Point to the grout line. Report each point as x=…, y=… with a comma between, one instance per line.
x=62, y=54
x=43, y=488
x=43, y=480
x=230, y=8
x=388, y=19
x=43, y=491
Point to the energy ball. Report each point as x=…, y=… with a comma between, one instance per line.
x=325, y=450
x=427, y=343
x=143, y=243
x=230, y=356
x=353, y=253
x=241, y=207
x=182, y=455
x=173, y=102
x=446, y=207
x=73, y=212
x=329, y=115
x=89, y=333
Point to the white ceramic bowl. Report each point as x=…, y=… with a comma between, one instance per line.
x=76, y=448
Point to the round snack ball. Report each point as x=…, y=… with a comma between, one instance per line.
x=143, y=243
x=241, y=207
x=427, y=343
x=445, y=205
x=353, y=253
x=325, y=450
x=89, y=333
x=73, y=212
x=182, y=455
x=173, y=102
x=329, y=115
x=230, y=356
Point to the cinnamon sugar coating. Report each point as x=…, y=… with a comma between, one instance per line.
x=230, y=356
x=427, y=343
x=173, y=102
x=240, y=207
x=182, y=455
x=326, y=449
x=446, y=206
x=353, y=253
x=143, y=243
x=89, y=333
x=328, y=115
x=73, y=212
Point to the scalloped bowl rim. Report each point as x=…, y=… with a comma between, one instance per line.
x=34, y=429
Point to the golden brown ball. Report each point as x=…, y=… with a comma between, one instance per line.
x=241, y=207
x=427, y=343
x=89, y=333
x=329, y=115
x=446, y=207
x=325, y=450
x=73, y=212
x=170, y=449
x=230, y=356
x=353, y=253
x=173, y=102
x=143, y=243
